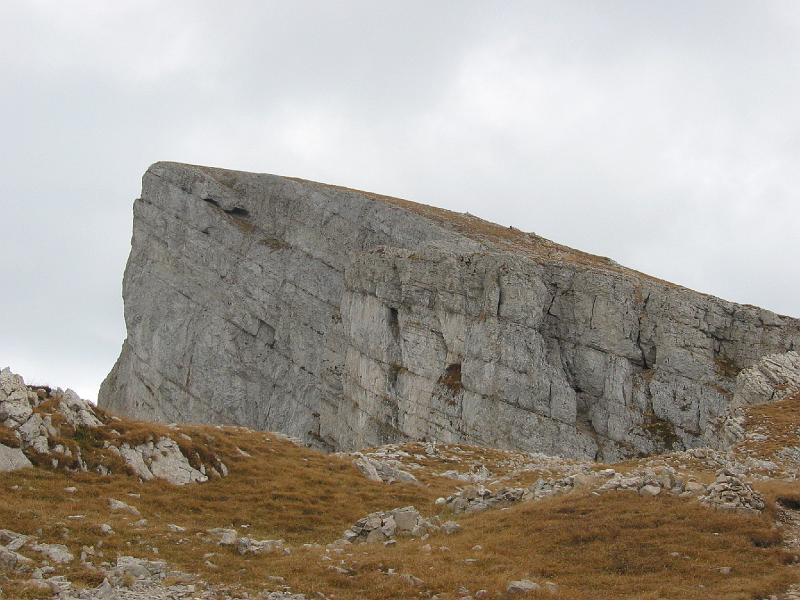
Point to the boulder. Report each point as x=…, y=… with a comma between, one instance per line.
x=10, y=560
x=120, y=506
x=383, y=526
x=57, y=553
x=225, y=537
x=247, y=545
x=12, y=459
x=168, y=462
x=522, y=586
x=382, y=470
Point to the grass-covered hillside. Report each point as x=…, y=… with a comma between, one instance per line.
x=271, y=519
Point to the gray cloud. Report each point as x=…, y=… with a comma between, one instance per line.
x=664, y=135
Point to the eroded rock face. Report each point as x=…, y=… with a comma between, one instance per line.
x=349, y=320
x=772, y=378
x=45, y=425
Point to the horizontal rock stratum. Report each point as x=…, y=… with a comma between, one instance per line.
x=351, y=319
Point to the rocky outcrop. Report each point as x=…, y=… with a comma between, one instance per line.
x=773, y=378
x=54, y=428
x=385, y=526
x=350, y=319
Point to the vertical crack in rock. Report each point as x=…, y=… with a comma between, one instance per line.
x=642, y=314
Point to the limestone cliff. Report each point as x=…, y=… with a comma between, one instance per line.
x=351, y=319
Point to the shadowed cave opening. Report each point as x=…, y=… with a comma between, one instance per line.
x=236, y=211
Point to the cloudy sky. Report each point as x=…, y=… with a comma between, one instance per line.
x=664, y=134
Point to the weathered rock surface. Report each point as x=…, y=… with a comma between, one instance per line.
x=387, y=471
x=12, y=459
x=163, y=460
x=349, y=320
x=384, y=526
x=46, y=423
x=773, y=378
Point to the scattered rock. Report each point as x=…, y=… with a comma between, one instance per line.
x=247, y=545
x=225, y=537
x=650, y=490
x=10, y=560
x=57, y=553
x=382, y=526
x=386, y=471
x=450, y=527
x=120, y=506
x=523, y=586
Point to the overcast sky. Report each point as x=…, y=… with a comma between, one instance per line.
x=665, y=135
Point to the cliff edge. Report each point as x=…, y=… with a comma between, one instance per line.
x=350, y=319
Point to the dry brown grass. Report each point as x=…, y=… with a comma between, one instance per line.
x=780, y=420
x=281, y=491
x=610, y=546
x=8, y=438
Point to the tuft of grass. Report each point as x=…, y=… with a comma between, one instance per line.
x=8, y=437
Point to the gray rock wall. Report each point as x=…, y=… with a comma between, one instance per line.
x=349, y=319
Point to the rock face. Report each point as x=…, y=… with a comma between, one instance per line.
x=350, y=319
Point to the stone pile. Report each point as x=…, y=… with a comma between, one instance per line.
x=246, y=545
x=478, y=498
x=385, y=526
x=43, y=425
x=729, y=492
x=652, y=482
x=553, y=487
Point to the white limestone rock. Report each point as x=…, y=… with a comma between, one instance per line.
x=773, y=378
x=246, y=545
x=120, y=506
x=11, y=560
x=522, y=586
x=12, y=459
x=387, y=471
x=57, y=553
x=76, y=411
x=351, y=320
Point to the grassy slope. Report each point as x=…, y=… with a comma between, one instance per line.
x=617, y=545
